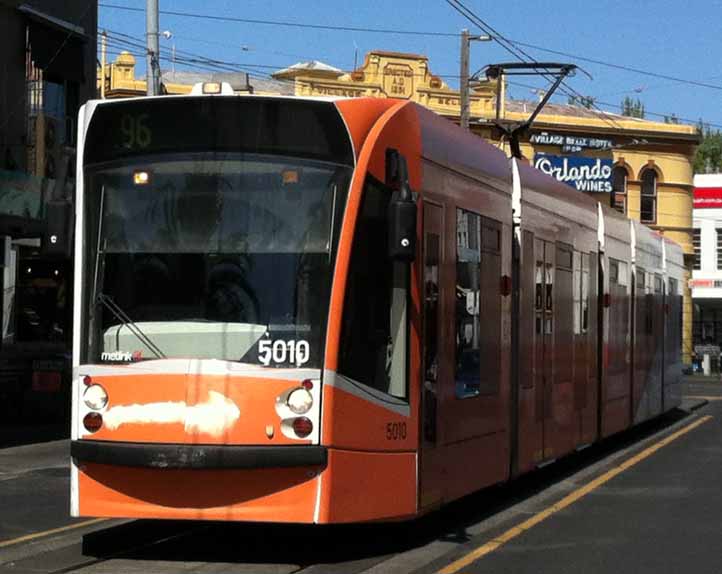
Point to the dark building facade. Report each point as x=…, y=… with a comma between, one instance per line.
x=47, y=71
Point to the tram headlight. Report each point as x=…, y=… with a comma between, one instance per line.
x=95, y=397
x=299, y=401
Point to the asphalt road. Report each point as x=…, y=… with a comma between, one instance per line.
x=645, y=501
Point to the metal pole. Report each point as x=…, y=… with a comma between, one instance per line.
x=152, y=45
x=464, y=81
x=104, y=43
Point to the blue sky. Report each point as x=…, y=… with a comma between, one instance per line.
x=672, y=38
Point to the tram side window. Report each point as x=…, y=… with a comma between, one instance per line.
x=585, y=292
x=539, y=295
x=613, y=272
x=577, y=293
x=468, y=285
x=432, y=258
x=431, y=308
x=374, y=330
x=490, y=307
x=549, y=299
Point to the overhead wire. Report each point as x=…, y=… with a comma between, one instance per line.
x=520, y=54
x=288, y=24
x=510, y=42
x=622, y=67
x=237, y=66
x=256, y=70
x=647, y=112
x=181, y=56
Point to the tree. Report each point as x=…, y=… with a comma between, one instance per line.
x=708, y=158
x=632, y=107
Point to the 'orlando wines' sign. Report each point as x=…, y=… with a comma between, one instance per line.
x=583, y=173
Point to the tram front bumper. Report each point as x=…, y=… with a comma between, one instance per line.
x=183, y=456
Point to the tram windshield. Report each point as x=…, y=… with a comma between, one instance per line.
x=212, y=256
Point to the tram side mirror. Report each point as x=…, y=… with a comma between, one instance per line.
x=58, y=229
x=402, y=209
x=402, y=230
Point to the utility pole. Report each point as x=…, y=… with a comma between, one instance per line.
x=153, y=48
x=103, y=51
x=466, y=39
x=464, y=81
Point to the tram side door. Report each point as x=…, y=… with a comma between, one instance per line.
x=544, y=341
x=430, y=464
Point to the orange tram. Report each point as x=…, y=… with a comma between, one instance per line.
x=332, y=311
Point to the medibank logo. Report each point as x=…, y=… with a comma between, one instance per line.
x=121, y=356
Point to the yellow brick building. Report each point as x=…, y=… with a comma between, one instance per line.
x=651, y=162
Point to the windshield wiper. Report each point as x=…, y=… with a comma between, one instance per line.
x=126, y=321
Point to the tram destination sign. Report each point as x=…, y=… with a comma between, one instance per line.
x=570, y=144
x=582, y=173
x=123, y=129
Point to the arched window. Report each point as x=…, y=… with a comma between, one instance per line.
x=648, y=198
x=618, y=197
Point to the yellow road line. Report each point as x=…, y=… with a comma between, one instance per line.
x=44, y=533
x=568, y=500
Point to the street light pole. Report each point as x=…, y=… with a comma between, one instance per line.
x=152, y=47
x=167, y=34
x=464, y=81
x=466, y=39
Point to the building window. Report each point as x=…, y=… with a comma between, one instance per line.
x=697, y=249
x=648, y=199
x=618, y=197
x=719, y=249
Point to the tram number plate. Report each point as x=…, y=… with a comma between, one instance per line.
x=395, y=431
x=282, y=352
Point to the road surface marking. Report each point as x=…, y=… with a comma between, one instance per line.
x=44, y=533
x=568, y=500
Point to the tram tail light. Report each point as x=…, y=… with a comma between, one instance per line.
x=302, y=426
x=87, y=380
x=92, y=422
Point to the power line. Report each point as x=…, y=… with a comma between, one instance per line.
x=505, y=42
x=198, y=61
x=211, y=64
x=621, y=67
x=289, y=24
x=655, y=114
x=181, y=55
x=135, y=42
x=518, y=53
